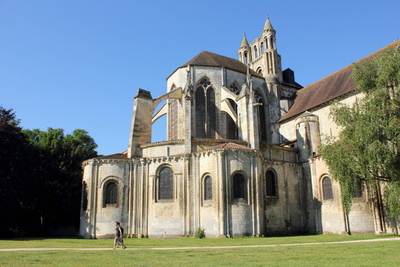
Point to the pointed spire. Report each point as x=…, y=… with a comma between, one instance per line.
x=268, y=25
x=244, y=41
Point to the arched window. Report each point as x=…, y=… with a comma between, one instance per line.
x=245, y=58
x=262, y=48
x=239, y=186
x=200, y=113
x=255, y=52
x=262, y=129
x=111, y=193
x=207, y=188
x=165, y=184
x=211, y=113
x=84, y=196
x=358, y=189
x=206, y=110
x=327, y=188
x=270, y=184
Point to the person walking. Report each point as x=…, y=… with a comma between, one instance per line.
x=119, y=236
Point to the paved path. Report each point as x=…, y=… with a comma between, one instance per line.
x=226, y=247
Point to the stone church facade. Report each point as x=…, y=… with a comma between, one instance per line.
x=240, y=158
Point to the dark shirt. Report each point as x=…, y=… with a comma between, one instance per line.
x=117, y=231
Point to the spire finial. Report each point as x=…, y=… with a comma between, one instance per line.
x=268, y=25
x=244, y=41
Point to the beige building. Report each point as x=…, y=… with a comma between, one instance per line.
x=240, y=158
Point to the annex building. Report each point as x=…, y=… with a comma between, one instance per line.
x=240, y=158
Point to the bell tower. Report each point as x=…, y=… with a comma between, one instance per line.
x=272, y=60
x=262, y=56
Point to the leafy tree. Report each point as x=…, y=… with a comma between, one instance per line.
x=40, y=177
x=367, y=149
x=60, y=173
x=16, y=188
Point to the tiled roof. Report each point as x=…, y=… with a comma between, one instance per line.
x=229, y=146
x=205, y=58
x=329, y=88
x=123, y=155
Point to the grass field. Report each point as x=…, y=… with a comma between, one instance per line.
x=206, y=252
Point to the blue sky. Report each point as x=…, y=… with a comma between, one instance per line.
x=78, y=64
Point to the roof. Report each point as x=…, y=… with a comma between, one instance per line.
x=335, y=85
x=123, y=155
x=205, y=58
x=230, y=145
x=268, y=25
x=244, y=41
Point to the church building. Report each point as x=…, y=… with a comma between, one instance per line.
x=240, y=156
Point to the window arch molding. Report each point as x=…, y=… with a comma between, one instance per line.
x=164, y=184
x=271, y=183
x=112, y=188
x=326, y=188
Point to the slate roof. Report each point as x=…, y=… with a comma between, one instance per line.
x=335, y=85
x=205, y=58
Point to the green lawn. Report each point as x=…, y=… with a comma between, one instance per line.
x=383, y=253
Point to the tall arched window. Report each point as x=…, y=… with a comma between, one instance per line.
x=84, y=196
x=262, y=129
x=270, y=184
x=255, y=52
x=207, y=188
x=205, y=110
x=165, y=184
x=262, y=48
x=200, y=113
x=211, y=113
x=327, y=188
x=239, y=186
x=111, y=193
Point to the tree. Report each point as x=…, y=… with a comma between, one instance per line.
x=367, y=149
x=59, y=173
x=40, y=177
x=16, y=188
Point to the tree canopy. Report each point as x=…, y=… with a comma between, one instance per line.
x=367, y=149
x=40, y=177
